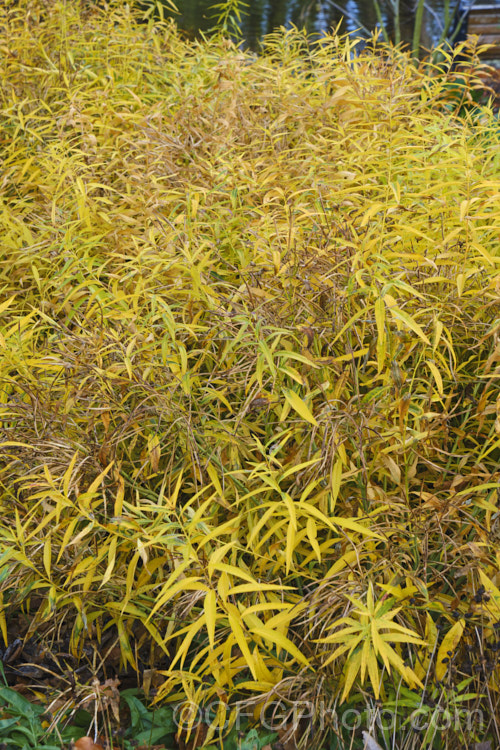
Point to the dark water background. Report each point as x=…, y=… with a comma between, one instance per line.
x=318, y=16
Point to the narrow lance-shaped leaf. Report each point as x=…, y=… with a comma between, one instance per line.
x=299, y=406
x=447, y=648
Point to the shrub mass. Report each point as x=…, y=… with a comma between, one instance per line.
x=249, y=367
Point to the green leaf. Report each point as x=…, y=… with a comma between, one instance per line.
x=21, y=705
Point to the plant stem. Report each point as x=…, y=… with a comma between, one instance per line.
x=417, y=31
x=381, y=21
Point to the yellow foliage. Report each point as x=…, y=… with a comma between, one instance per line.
x=249, y=353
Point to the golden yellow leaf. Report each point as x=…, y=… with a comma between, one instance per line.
x=47, y=556
x=353, y=665
x=154, y=451
x=210, y=607
x=424, y=654
x=437, y=376
x=335, y=481
x=281, y=641
x=299, y=406
x=447, y=647
x=111, y=562
x=4, y=305
x=235, y=624
x=412, y=324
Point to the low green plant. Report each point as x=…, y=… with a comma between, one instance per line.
x=131, y=723
x=21, y=722
x=147, y=726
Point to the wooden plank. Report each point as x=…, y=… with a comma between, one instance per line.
x=489, y=14
x=490, y=8
x=485, y=17
x=490, y=21
x=484, y=22
x=484, y=31
x=486, y=28
x=473, y=29
x=483, y=26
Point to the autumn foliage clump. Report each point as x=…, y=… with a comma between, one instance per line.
x=249, y=367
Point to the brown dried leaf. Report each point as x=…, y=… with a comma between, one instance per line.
x=87, y=743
